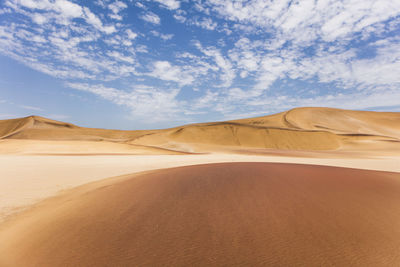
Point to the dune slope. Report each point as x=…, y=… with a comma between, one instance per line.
x=346, y=121
x=39, y=128
x=38, y=135
x=247, y=214
x=241, y=135
x=10, y=127
x=296, y=129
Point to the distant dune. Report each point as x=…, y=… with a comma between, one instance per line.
x=323, y=129
x=36, y=134
x=39, y=128
x=232, y=214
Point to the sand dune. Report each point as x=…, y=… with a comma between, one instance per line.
x=333, y=120
x=27, y=179
x=348, y=122
x=323, y=129
x=297, y=129
x=39, y=128
x=247, y=214
x=238, y=135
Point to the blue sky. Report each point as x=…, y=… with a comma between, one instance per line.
x=161, y=63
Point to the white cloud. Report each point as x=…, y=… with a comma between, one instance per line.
x=62, y=11
x=246, y=55
x=31, y=108
x=205, y=23
x=145, y=102
x=131, y=35
x=68, y=9
x=382, y=69
x=308, y=20
x=180, y=18
x=163, y=70
x=116, y=7
x=119, y=56
x=227, y=71
x=271, y=69
x=206, y=101
x=65, y=9
x=71, y=51
x=140, y=5
x=151, y=17
x=163, y=36
x=92, y=19
x=170, y=4
x=180, y=15
x=39, y=19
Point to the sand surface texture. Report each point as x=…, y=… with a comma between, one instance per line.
x=246, y=214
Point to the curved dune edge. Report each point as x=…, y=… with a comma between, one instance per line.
x=217, y=214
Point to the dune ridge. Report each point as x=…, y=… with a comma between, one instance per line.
x=324, y=129
x=252, y=214
x=39, y=128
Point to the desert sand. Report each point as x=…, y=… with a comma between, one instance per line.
x=27, y=179
x=276, y=214
x=246, y=214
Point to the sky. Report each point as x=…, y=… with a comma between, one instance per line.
x=161, y=63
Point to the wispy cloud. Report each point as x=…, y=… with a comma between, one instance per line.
x=165, y=37
x=31, y=108
x=144, y=102
x=222, y=63
x=205, y=23
x=170, y=4
x=151, y=17
x=116, y=7
x=165, y=71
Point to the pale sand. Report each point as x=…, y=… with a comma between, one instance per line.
x=26, y=179
x=232, y=214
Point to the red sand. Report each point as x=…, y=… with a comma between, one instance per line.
x=227, y=214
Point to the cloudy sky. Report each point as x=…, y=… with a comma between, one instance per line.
x=159, y=63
